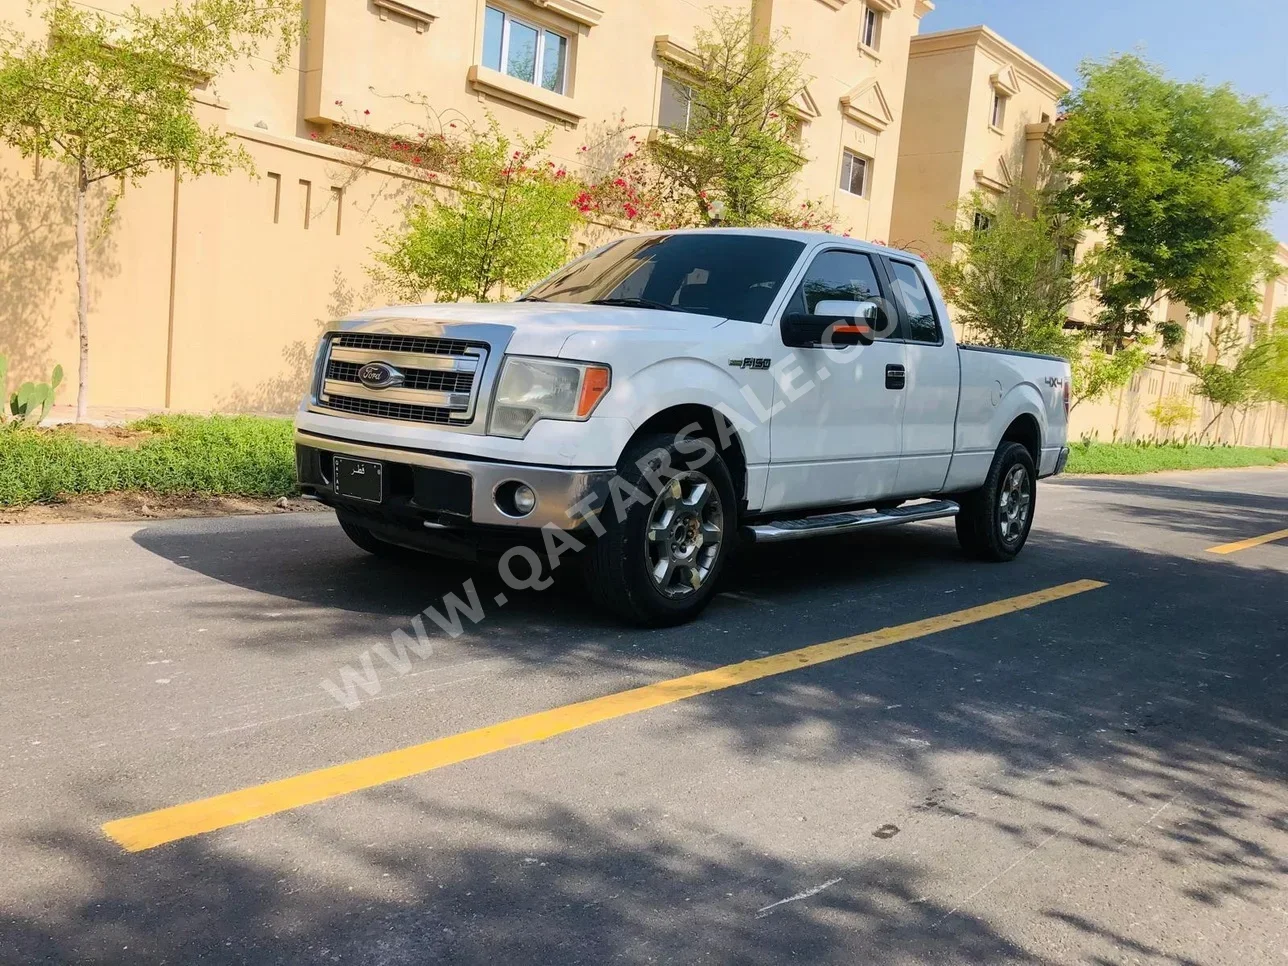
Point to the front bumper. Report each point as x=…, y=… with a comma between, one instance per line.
x=446, y=490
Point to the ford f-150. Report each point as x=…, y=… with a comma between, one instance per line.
x=664, y=398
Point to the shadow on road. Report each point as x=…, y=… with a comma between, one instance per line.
x=1162, y=694
x=1220, y=515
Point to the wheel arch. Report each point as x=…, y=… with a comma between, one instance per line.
x=1025, y=430
x=714, y=426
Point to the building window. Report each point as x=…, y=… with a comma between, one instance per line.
x=795, y=130
x=675, y=113
x=998, y=117
x=525, y=51
x=871, y=34
x=982, y=221
x=854, y=173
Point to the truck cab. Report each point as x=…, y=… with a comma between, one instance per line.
x=667, y=396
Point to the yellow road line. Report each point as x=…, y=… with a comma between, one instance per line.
x=146, y=831
x=1250, y=542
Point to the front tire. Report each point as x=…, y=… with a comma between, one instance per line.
x=657, y=564
x=995, y=520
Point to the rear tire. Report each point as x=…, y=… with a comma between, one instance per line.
x=658, y=564
x=995, y=520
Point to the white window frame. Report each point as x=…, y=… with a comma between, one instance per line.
x=998, y=115
x=845, y=183
x=506, y=21
x=871, y=16
x=688, y=107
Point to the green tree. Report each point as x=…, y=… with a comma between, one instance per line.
x=736, y=160
x=1097, y=373
x=506, y=222
x=1271, y=379
x=1182, y=177
x=1011, y=283
x=1241, y=374
x=111, y=98
x=1171, y=413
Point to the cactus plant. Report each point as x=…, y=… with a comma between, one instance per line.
x=32, y=400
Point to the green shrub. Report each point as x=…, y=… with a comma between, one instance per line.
x=1152, y=456
x=217, y=455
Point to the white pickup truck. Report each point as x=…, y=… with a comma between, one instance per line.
x=667, y=396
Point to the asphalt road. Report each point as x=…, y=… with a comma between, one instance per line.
x=1097, y=779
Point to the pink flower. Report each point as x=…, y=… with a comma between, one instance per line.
x=453, y=124
x=367, y=112
x=627, y=157
x=773, y=113
x=416, y=160
x=432, y=174
x=620, y=182
x=339, y=103
x=314, y=135
x=583, y=147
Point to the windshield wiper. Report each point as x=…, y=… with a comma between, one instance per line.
x=532, y=298
x=637, y=303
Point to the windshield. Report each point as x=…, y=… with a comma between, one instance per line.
x=731, y=276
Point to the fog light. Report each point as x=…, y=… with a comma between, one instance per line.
x=525, y=501
x=515, y=499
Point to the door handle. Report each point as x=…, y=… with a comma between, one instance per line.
x=896, y=377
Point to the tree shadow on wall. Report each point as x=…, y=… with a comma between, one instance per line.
x=283, y=392
x=38, y=269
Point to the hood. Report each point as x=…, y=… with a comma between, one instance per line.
x=540, y=328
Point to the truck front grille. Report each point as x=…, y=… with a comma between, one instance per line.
x=426, y=379
x=439, y=377
x=405, y=343
x=389, y=410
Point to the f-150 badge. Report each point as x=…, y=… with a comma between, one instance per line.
x=749, y=363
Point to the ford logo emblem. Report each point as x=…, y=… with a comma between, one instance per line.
x=379, y=375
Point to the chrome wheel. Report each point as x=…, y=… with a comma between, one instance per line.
x=1015, y=500
x=685, y=528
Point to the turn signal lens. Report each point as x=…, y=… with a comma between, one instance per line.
x=593, y=386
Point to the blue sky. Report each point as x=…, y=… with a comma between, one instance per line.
x=1244, y=42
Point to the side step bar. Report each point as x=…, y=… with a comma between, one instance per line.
x=777, y=531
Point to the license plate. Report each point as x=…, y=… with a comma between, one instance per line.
x=359, y=479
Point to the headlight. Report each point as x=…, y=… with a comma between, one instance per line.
x=532, y=389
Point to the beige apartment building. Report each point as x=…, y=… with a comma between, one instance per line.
x=208, y=293
x=977, y=116
x=977, y=112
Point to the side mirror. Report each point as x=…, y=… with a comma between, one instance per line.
x=833, y=322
